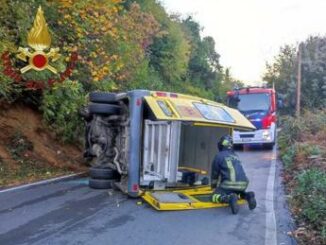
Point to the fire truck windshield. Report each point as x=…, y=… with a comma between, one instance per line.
x=254, y=102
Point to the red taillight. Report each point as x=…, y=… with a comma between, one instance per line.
x=138, y=102
x=165, y=94
x=135, y=187
x=161, y=94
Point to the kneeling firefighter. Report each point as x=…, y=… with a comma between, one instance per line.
x=228, y=171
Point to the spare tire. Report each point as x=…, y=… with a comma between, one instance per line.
x=108, y=109
x=102, y=97
x=100, y=183
x=103, y=173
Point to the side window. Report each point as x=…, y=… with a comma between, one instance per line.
x=164, y=108
x=214, y=113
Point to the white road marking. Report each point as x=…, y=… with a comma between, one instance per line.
x=270, y=222
x=42, y=182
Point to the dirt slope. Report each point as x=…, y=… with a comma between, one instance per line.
x=29, y=151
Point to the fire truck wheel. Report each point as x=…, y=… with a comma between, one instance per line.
x=238, y=147
x=100, y=183
x=102, y=97
x=103, y=173
x=269, y=146
x=104, y=109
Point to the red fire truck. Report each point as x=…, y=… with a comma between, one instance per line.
x=259, y=106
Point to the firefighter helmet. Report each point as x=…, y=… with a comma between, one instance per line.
x=225, y=143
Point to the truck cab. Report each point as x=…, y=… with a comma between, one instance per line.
x=156, y=140
x=258, y=105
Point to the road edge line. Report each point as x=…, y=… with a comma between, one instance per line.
x=43, y=182
x=270, y=220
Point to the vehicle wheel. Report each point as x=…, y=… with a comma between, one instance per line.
x=104, y=109
x=269, y=146
x=102, y=97
x=103, y=173
x=100, y=183
x=238, y=147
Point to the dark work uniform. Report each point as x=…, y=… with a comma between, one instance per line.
x=227, y=168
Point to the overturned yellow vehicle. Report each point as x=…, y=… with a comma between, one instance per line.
x=160, y=144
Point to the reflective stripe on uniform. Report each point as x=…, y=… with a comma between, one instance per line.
x=231, y=169
x=236, y=185
x=215, y=198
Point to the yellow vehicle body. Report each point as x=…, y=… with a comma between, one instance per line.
x=183, y=108
x=163, y=142
x=205, y=120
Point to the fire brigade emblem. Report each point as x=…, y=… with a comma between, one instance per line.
x=38, y=56
x=39, y=40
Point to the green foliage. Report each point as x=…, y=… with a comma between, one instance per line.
x=60, y=109
x=288, y=155
x=323, y=233
x=204, y=67
x=315, y=120
x=311, y=193
x=309, y=150
x=291, y=129
x=121, y=45
x=8, y=90
x=300, y=139
x=283, y=73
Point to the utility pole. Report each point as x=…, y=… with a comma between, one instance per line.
x=298, y=99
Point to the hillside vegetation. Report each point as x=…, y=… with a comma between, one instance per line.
x=29, y=151
x=302, y=145
x=107, y=45
x=302, y=141
x=120, y=45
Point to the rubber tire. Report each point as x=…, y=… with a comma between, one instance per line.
x=103, y=173
x=238, y=147
x=102, y=97
x=269, y=146
x=100, y=183
x=104, y=109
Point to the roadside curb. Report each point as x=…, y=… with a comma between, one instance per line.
x=44, y=182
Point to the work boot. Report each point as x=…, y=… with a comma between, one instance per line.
x=250, y=197
x=233, y=199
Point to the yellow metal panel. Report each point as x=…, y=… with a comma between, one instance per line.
x=195, y=204
x=194, y=170
x=240, y=119
x=183, y=109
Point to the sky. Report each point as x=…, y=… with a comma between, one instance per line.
x=248, y=33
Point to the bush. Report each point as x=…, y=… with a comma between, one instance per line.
x=288, y=156
x=316, y=120
x=311, y=194
x=291, y=131
x=60, y=107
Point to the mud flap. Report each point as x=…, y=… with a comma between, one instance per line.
x=186, y=199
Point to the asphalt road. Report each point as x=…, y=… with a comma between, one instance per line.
x=68, y=212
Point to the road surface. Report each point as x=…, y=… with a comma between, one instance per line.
x=68, y=212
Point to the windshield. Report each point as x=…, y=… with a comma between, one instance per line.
x=254, y=102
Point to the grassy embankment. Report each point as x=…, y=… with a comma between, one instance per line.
x=302, y=145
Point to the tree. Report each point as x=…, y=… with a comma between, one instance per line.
x=283, y=73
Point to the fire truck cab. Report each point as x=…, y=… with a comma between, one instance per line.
x=258, y=105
